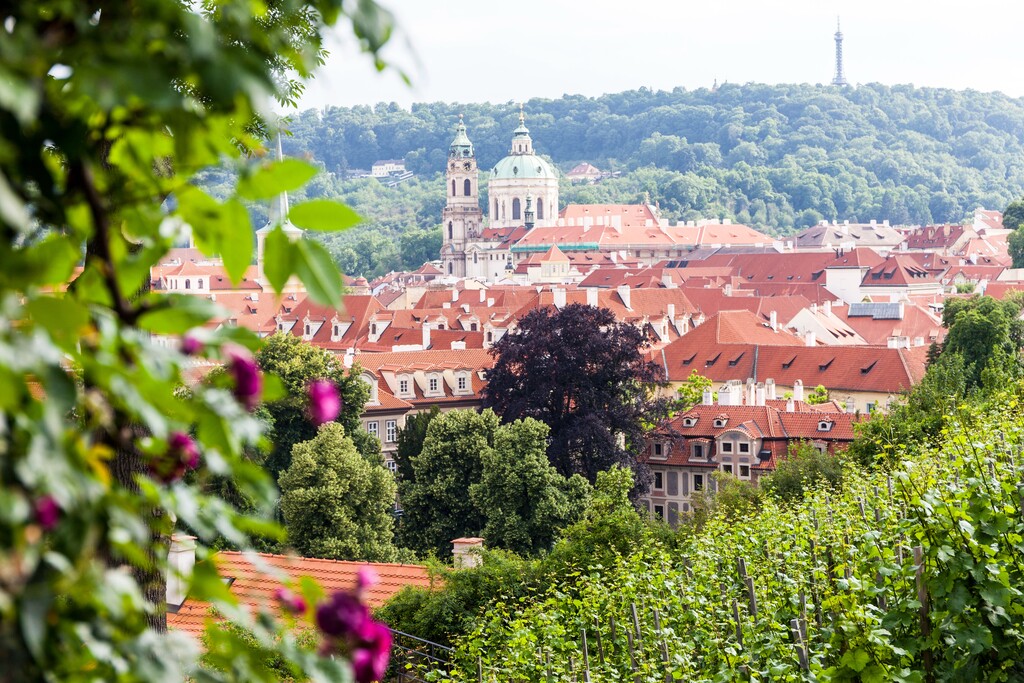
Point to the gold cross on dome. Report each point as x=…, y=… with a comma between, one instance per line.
x=522, y=116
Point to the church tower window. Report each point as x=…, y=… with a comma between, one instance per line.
x=450, y=231
x=540, y=208
x=495, y=209
x=453, y=187
x=188, y=284
x=467, y=187
x=515, y=209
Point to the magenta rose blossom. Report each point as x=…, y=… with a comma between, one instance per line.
x=324, y=402
x=341, y=615
x=365, y=580
x=248, y=380
x=182, y=455
x=190, y=346
x=290, y=601
x=47, y=512
x=371, y=653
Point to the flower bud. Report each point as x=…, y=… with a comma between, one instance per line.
x=341, y=615
x=47, y=512
x=190, y=346
x=324, y=402
x=245, y=372
x=290, y=601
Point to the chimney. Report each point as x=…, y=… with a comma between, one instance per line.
x=759, y=395
x=751, y=392
x=773, y=320
x=790, y=406
x=426, y=336
x=458, y=346
x=455, y=295
x=466, y=552
x=592, y=297
x=851, y=405
x=737, y=393
x=670, y=311
x=810, y=339
x=828, y=307
x=728, y=290
x=708, y=397
x=180, y=561
x=490, y=302
x=769, y=389
x=623, y=291
x=798, y=390
x=558, y=294
x=483, y=295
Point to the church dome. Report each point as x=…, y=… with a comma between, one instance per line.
x=522, y=166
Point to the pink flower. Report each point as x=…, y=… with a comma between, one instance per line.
x=47, y=512
x=342, y=615
x=371, y=653
x=290, y=601
x=365, y=580
x=190, y=346
x=182, y=455
x=248, y=380
x=324, y=402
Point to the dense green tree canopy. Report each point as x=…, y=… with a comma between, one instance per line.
x=298, y=363
x=987, y=333
x=524, y=500
x=436, y=506
x=335, y=503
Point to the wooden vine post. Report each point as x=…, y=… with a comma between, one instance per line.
x=922, y=598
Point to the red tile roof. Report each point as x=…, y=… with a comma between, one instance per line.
x=254, y=586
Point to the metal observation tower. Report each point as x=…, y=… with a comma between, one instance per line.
x=839, y=78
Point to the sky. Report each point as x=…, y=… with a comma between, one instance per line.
x=511, y=51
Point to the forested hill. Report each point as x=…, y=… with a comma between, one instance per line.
x=775, y=156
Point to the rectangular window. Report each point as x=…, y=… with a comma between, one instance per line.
x=744, y=447
x=727, y=446
x=698, y=451
x=744, y=471
x=433, y=385
x=403, y=386
x=659, y=511
x=659, y=481
x=392, y=466
x=657, y=450
x=372, y=427
x=727, y=469
x=698, y=482
x=462, y=383
x=391, y=431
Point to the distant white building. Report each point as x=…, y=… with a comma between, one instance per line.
x=385, y=167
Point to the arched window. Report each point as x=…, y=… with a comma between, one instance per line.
x=199, y=283
x=515, y=209
x=495, y=209
x=467, y=187
x=450, y=230
x=453, y=187
x=188, y=284
x=449, y=268
x=503, y=211
x=540, y=209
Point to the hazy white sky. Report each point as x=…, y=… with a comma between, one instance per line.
x=485, y=50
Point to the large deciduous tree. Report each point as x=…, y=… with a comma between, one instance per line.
x=523, y=499
x=435, y=501
x=585, y=376
x=335, y=503
x=1013, y=214
x=298, y=363
x=987, y=333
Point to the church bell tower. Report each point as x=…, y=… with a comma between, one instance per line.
x=461, y=218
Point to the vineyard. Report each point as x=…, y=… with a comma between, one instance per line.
x=911, y=573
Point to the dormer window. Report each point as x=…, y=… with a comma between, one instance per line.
x=824, y=426
x=689, y=421
x=462, y=382
x=720, y=422
x=433, y=385
x=307, y=332
x=403, y=387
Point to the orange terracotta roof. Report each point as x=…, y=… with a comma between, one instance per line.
x=254, y=587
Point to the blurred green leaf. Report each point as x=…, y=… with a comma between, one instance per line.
x=236, y=239
x=178, y=313
x=279, y=258
x=323, y=215
x=272, y=178
x=317, y=270
x=61, y=316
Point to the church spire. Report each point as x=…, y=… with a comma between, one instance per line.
x=279, y=205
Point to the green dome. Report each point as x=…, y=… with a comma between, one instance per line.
x=522, y=166
x=461, y=147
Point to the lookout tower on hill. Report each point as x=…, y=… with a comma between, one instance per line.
x=840, y=77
